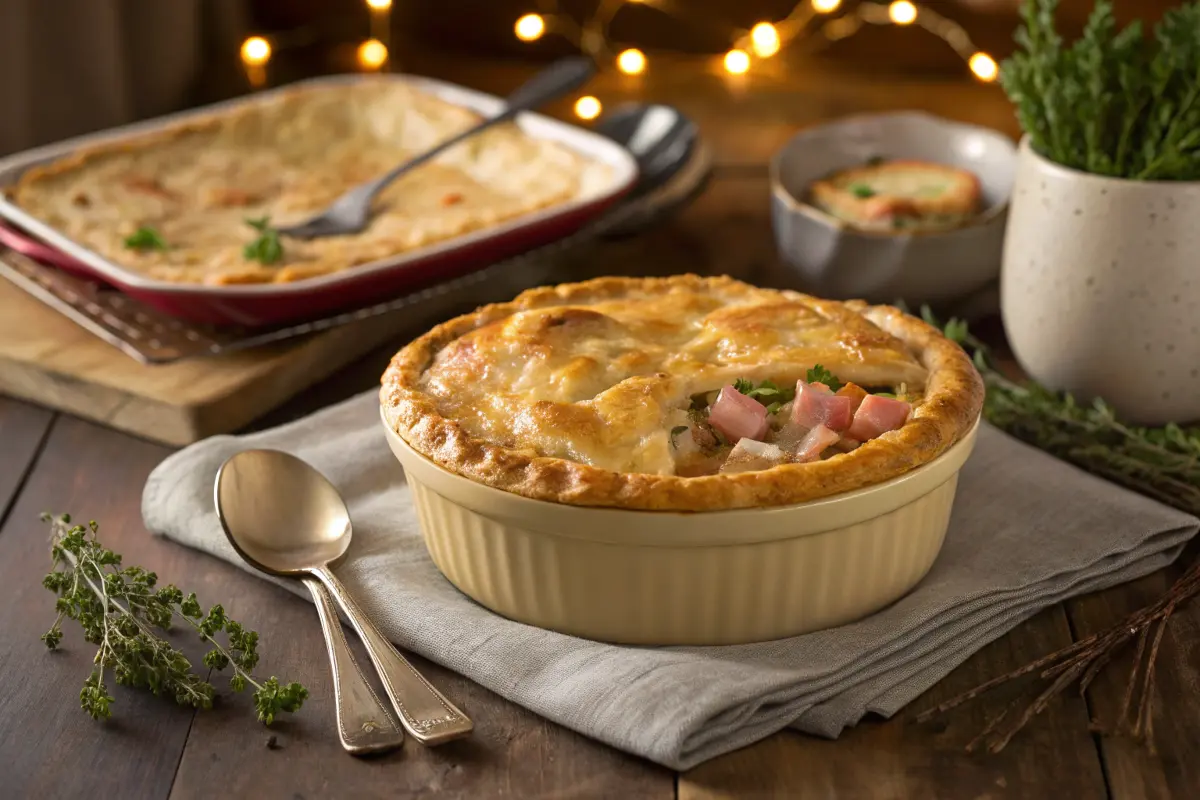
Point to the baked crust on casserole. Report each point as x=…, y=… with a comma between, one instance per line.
x=286, y=157
x=571, y=393
x=900, y=195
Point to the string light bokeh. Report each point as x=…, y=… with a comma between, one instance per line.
x=808, y=18
x=828, y=19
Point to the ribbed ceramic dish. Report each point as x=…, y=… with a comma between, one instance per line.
x=647, y=577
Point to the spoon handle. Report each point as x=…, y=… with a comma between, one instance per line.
x=424, y=712
x=364, y=724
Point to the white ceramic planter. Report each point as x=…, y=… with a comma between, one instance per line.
x=1100, y=288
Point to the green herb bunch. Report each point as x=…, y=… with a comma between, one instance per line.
x=119, y=609
x=1115, y=102
x=1163, y=463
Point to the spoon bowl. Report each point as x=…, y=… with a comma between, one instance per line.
x=286, y=518
x=280, y=514
x=660, y=137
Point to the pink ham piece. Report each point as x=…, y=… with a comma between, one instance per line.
x=815, y=442
x=737, y=416
x=878, y=415
x=816, y=405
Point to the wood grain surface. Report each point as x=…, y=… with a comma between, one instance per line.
x=47, y=359
x=152, y=749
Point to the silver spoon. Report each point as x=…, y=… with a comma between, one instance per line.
x=285, y=518
x=351, y=212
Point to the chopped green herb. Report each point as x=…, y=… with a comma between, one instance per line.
x=818, y=374
x=773, y=408
x=765, y=392
x=884, y=394
x=267, y=248
x=678, y=429
x=145, y=238
x=861, y=190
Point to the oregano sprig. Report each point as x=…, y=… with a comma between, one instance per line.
x=120, y=608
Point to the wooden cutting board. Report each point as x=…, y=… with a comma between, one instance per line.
x=49, y=360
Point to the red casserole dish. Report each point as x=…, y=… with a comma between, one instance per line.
x=275, y=303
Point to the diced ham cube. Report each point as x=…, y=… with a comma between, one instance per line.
x=750, y=455
x=815, y=442
x=816, y=405
x=737, y=416
x=878, y=415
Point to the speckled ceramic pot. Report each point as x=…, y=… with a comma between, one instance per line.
x=1100, y=288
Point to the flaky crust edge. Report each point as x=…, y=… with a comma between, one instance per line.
x=953, y=402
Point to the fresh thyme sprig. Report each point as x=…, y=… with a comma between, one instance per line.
x=1163, y=463
x=119, y=608
x=268, y=247
x=1114, y=102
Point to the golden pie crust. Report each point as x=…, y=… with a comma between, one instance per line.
x=568, y=393
x=287, y=157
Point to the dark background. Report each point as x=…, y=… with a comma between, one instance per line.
x=475, y=28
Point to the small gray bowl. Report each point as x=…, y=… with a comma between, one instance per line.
x=825, y=256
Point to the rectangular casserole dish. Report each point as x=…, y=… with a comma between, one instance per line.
x=272, y=303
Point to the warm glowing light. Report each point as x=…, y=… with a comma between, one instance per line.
x=372, y=54
x=632, y=61
x=256, y=51
x=380, y=5
x=765, y=39
x=737, y=62
x=587, y=107
x=984, y=67
x=902, y=12
x=825, y=6
x=530, y=27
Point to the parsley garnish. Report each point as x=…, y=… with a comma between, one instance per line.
x=267, y=248
x=145, y=238
x=121, y=610
x=818, y=374
x=678, y=429
x=766, y=393
x=861, y=190
x=1114, y=102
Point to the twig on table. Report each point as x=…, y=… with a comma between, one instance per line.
x=1080, y=663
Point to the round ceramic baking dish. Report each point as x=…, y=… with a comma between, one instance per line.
x=668, y=578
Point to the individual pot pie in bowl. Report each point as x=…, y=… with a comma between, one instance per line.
x=682, y=460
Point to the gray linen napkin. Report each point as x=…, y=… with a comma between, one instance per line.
x=1027, y=531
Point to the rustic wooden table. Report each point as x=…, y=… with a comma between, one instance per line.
x=153, y=749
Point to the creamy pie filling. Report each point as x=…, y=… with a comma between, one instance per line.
x=678, y=383
x=743, y=427
x=175, y=205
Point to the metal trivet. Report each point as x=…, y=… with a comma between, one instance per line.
x=151, y=337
